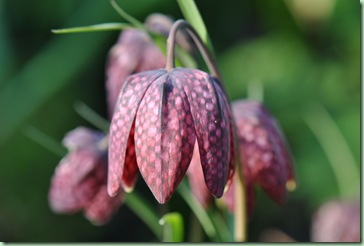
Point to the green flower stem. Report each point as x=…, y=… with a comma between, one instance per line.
x=195, y=230
x=206, y=54
x=220, y=223
x=144, y=211
x=45, y=141
x=198, y=210
x=93, y=28
x=240, y=209
x=192, y=15
x=91, y=116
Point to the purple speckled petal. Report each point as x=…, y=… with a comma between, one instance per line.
x=211, y=124
x=164, y=137
x=76, y=180
x=103, y=207
x=125, y=110
x=233, y=140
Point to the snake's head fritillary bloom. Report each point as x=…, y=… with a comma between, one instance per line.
x=79, y=181
x=134, y=52
x=158, y=118
x=337, y=221
x=263, y=151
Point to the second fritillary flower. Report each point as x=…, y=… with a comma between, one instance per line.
x=264, y=155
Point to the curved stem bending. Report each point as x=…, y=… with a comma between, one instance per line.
x=207, y=56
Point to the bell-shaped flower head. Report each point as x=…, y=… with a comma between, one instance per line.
x=79, y=181
x=158, y=117
x=264, y=155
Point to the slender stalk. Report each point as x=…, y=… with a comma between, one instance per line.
x=206, y=54
x=240, y=210
x=198, y=210
x=240, y=213
x=93, y=28
x=91, y=116
x=220, y=223
x=195, y=230
x=45, y=141
x=126, y=16
x=145, y=212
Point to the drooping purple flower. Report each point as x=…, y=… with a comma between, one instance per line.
x=79, y=181
x=337, y=221
x=263, y=152
x=158, y=117
x=134, y=52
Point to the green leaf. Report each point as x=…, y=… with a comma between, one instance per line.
x=173, y=228
x=193, y=16
x=93, y=28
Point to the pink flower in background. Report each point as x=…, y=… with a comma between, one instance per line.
x=337, y=221
x=79, y=181
x=158, y=118
x=263, y=152
x=134, y=52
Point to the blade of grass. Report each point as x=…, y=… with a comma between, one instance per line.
x=45, y=141
x=93, y=28
x=91, y=116
x=193, y=16
x=198, y=210
x=144, y=211
x=335, y=147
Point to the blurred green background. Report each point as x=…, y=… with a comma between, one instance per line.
x=304, y=56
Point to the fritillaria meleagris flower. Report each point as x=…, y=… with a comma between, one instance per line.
x=134, y=52
x=263, y=152
x=337, y=221
x=79, y=181
x=158, y=118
